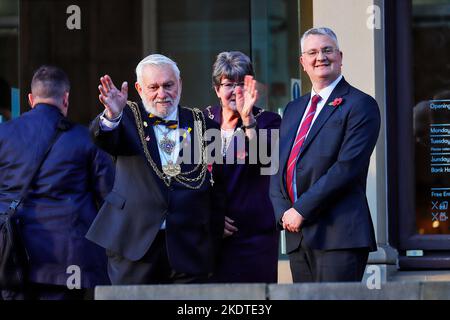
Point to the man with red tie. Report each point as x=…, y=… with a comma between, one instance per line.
x=319, y=192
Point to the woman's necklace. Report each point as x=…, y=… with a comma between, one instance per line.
x=227, y=136
x=227, y=131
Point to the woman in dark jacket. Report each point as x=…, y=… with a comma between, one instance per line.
x=249, y=251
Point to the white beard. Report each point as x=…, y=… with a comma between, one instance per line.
x=150, y=107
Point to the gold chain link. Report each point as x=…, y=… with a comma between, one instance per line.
x=180, y=178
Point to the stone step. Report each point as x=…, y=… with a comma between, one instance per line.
x=413, y=290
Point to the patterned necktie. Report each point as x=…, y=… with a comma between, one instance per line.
x=155, y=120
x=301, y=136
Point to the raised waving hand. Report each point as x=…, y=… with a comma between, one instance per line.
x=112, y=98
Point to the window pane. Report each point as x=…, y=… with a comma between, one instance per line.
x=193, y=32
x=275, y=50
x=9, y=54
x=431, y=36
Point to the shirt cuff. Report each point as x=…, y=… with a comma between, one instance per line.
x=107, y=124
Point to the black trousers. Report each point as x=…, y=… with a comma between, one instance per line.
x=153, y=268
x=309, y=265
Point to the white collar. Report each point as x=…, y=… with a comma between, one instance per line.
x=173, y=115
x=326, y=92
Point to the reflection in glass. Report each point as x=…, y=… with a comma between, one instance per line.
x=431, y=36
x=265, y=30
x=9, y=54
x=193, y=33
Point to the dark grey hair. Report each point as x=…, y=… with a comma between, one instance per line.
x=156, y=60
x=319, y=31
x=50, y=82
x=233, y=65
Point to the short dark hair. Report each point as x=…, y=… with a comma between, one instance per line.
x=49, y=82
x=233, y=65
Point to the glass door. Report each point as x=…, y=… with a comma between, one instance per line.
x=9, y=58
x=275, y=50
x=418, y=124
x=431, y=80
x=193, y=32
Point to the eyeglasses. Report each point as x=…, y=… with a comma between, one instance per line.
x=327, y=51
x=230, y=86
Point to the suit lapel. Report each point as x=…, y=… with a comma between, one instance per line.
x=152, y=146
x=186, y=121
x=341, y=90
x=292, y=127
x=152, y=143
x=291, y=133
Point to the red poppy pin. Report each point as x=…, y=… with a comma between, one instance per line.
x=241, y=154
x=336, y=102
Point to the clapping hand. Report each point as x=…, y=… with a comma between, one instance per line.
x=113, y=99
x=245, y=100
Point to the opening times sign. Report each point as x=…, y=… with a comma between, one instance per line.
x=436, y=204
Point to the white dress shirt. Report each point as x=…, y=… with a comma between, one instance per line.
x=324, y=94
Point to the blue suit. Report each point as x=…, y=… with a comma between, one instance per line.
x=331, y=171
x=63, y=199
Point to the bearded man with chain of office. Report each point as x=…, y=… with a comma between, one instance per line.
x=164, y=219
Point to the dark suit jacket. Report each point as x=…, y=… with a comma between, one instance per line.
x=139, y=202
x=63, y=199
x=331, y=171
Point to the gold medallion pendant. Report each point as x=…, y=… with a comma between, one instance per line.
x=171, y=169
x=167, y=145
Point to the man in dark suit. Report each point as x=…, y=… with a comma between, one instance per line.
x=164, y=217
x=64, y=196
x=319, y=193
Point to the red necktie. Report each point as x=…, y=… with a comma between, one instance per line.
x=301, y=136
